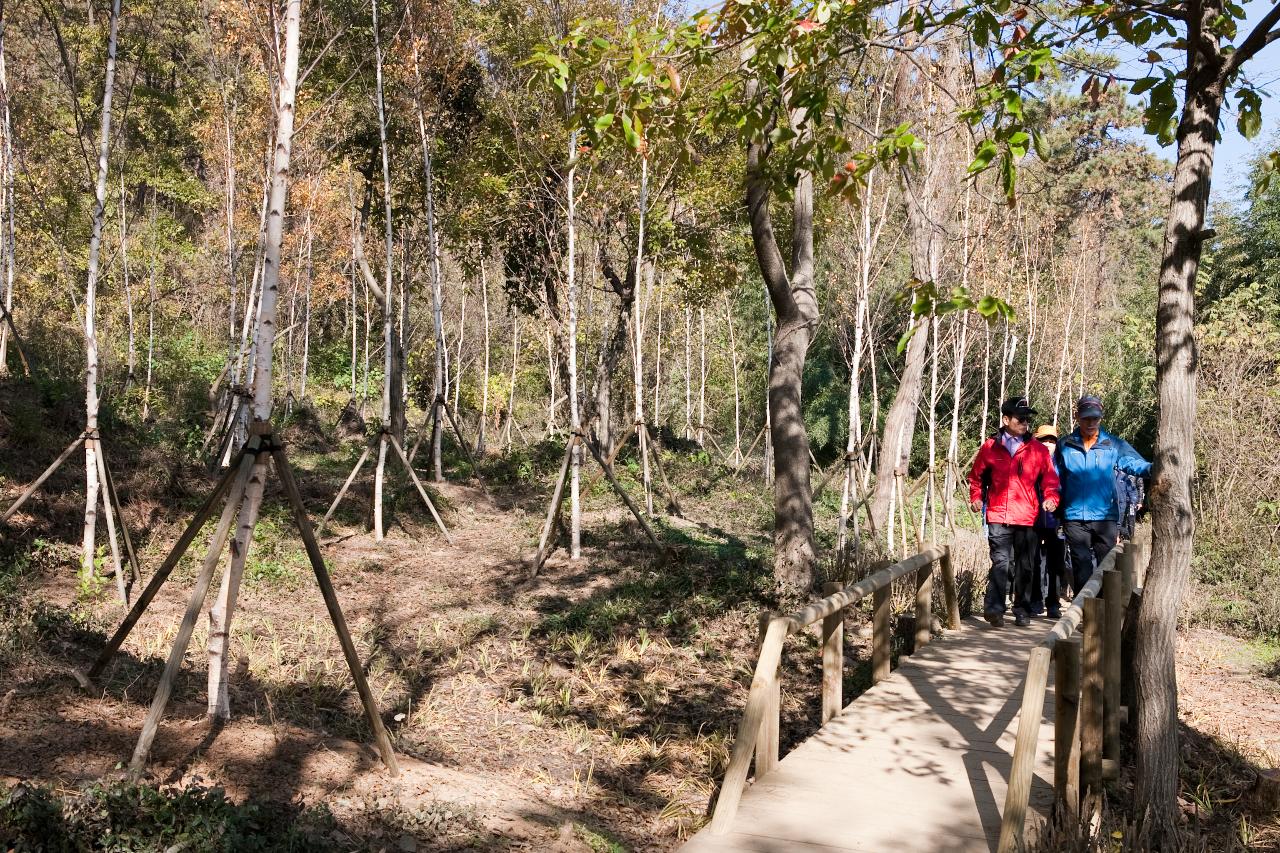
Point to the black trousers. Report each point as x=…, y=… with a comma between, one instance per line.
x=1014, y=564
x=1054, y=553
x=1088, y=542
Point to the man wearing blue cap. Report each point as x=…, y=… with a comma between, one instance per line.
x=1087, y=460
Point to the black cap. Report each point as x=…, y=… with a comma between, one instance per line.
x=1017, y=407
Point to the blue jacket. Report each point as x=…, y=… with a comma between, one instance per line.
x=1088, y=477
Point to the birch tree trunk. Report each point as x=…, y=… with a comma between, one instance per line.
x=306, y=317
x=637, y=322
x=220, y=615
x=737, y=398
x=91, y=304
x=437, y=296
x=484, y=385
x=702, y=377
x=151, y=313
x=511, y=391
x=688, y=363
x=131, y=362
x=390, y=389
x=575, y=422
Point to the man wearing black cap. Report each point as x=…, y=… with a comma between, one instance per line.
x=1087, y=460
x=1010, y=473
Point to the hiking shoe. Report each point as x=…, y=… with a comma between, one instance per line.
x=1055, y=613
x=1022, y=620
x=995, y=620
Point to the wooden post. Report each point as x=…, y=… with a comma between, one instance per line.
x=343, y=491
x=422, y=492
x=767, y=738
x=744, y=743
x=162, y=573
x=557, y=495
x=1128, y=640
x=924, y=606
x=180, y=643
x=331, y=603
x=1018, y=795
x=676, y=509
x=880, y=633
x=832, y=658
x=949, y=589
x=1066, y=728
x=48, y=472
x=1113, y=606
x=1091, y=700
x=1124, y=564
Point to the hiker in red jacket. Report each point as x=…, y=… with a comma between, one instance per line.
x=1013, y=475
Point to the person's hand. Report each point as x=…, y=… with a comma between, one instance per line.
x=1049, y=504
x=975, y=506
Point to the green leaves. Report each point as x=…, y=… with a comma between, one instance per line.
x=928, y=301
x=1249, y=118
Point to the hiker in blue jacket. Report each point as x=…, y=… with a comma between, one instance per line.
x=1087, y=460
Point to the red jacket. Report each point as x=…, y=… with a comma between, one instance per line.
x=1014, y=485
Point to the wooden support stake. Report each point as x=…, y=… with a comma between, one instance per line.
x=557, y=495
x=767, y=739
x=1018, y=795
x=672, y=500
x=331, y=603
x=466, y=448
x=832, y=658
x=343, y=491
x=924, y=606
x=880, y=634
x=48, y=472
x=129, y=551
x=1091, y=700
x=1066, y=728
x=422, y=492
x=1113, y=606
x=109, y=511
x=180, y=643
x=949, y=591
x=626, y=499
x=162, y=573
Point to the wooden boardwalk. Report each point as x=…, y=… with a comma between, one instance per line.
x=918, y=763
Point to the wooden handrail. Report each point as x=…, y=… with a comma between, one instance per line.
x=1087, y=704
x=757, y=733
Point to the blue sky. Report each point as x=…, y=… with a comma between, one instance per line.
x=1231, y=164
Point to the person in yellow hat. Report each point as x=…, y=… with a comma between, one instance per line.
x=1053, y=547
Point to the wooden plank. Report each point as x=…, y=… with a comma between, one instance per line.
x=769, y=736
x=1014, y=819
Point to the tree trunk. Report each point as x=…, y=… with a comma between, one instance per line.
x=795, y=305
x=1173, y=519
x=221, y=614
x=511, y=392
x=688, y=383
x=306, y=318
x=91, y=304
x=131, y=361
x=390, y=387
x=637, y=322
x=702, y=377
x=484, y=380
x=575, y=423
x=151, y=314
x=737, y=398
x=611, y=350
x=6, y=225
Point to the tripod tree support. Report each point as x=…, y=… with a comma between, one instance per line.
x=422, y=492
x=626, y=499
x=48, y=472
x=557, y=496
x=672, y=501
x=162, y=574
x=466, y=448
x=331, y=602
x=110, y=481
x=364, y=457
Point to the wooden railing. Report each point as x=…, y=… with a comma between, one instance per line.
x=1092, y=672
x=758, y=731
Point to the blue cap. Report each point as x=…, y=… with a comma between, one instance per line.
x=1089, y=407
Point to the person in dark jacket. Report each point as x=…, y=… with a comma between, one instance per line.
x=1129, y=496
x=1053, y=547
x=1015, y=475
x=1086, y=461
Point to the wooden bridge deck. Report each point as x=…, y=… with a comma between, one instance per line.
x=920, y=762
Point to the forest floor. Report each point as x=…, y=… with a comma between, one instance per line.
x=589, y=708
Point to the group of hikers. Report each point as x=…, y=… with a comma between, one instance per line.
x=1051, y=505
